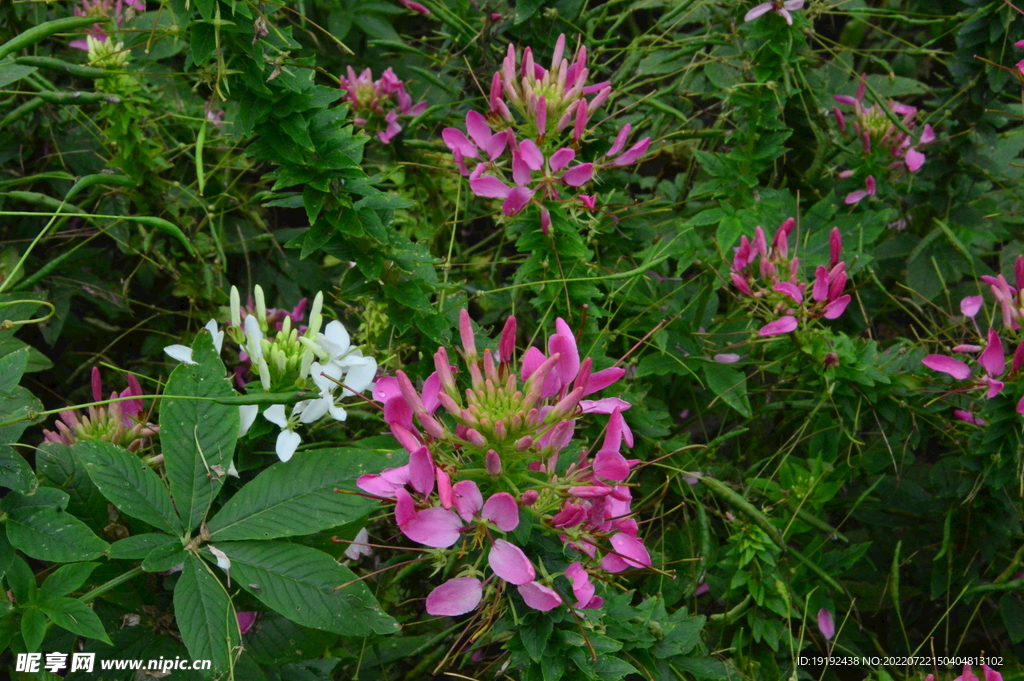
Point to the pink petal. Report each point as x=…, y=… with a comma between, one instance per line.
x=914, y=159
x=779, y=326
x=582, y=588
x=1020, y=406
x=510, y=563
x=758, y=11
x=631, y=550
x=540, y=597
x=611, y=465
x=791, y=290
x=971, y=305
x=496, y=146
x=560, y=159
x=599, y=380
x=455, y=597
x=502, y=510
x=793, y=4
x=476, y=126
x=633, y=153
x=968, y=417
x=386, y=388
x=928, y=135
x=993, y=359
x=825, y=624
x=444, y=489
x=456, y=141
x=577, y=176
x=434, y=527
x=468, y=499
x=245, y=621
x=405, y=508
x=845, y=99
x=564, y=343
x=947, y=365
x=620, y=140
x=784, y=13
x=994, y=386
x=520, y=171
x=726, y=358
x=531, y=154
x=836, y=308
x=532, y=360
x=517, y=200
x=855, y=197
x=605, y=405
x=489, y=187
x=421, y=471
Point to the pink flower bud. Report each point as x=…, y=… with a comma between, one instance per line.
x=507, y=342
x=492, y=462
x=474, y=437
x=530, y=497
x=835, y=244
x=468, y=339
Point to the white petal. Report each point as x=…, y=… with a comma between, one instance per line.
x=275, y=414
x=182, y=353
x=793, y=4
x=358, y=546
x=246, y=416
x=315, y=409
x=332, y=370
x=360, y=377
x=223, y=562
x=218, y=336
x=338, y=413
x=232, y=471
x=287, y=442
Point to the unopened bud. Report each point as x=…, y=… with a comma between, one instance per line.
x=261, y=307
x=835, y=244
x=475, y=438
x=431, y=425
x=492, y=462
x=507, y=343
x=236, y=308
x=315, y=316
x=529, y=497
x=468, y=339
x=524, y=443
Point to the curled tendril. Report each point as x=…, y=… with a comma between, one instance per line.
x=8, y=324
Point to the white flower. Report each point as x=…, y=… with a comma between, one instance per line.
x=288, y=440
x=218, y=335
x=182, y=353
x=223, y=562
x=359, y=547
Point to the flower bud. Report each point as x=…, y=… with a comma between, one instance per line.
x=468, y=339
x=507, y=343
x=529, y=497
x=475, y=438
x=236, y=308
x=261, y=307
x=524, y=443
x=492, y=462
x=315, y=316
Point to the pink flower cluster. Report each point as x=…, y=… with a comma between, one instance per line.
x=885, y=145
x=121, y=423
x=549, y=102
x=991, y=357
x=117, y=11
x=507, y=440
x=385, y=97
x=784, y=294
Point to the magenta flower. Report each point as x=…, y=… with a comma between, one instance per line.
x=780, y=7
x=246, y=620
x=122, y=423
x=503, y=437
x=826, y=625
x=116, y=11
x=787, y=298
x=386, y=97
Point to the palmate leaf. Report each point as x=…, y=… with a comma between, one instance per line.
x=128, y=483
x=206, y=618
x=75, y=616
x=299, y=583
x=196, y=434
x=298, y=497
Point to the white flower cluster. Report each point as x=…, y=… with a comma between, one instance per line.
x=335, y=368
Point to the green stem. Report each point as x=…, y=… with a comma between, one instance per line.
x=115, y=582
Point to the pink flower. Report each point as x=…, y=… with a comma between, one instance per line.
x=510, y=563
x=245, y=620
x=869, y=190
x=968, y=417
x=781, y=8
x=386, y=97
x=971, y=305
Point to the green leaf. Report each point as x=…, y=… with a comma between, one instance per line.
x=730, y=385
x=58, y=468
x=21, y=581
x=297, y=497
x=299, y=583
x=197, y=435
x=128, y=483
x=15, y=473
x=12, y=367
x=140, y=546
x=203, y=41
x=535, y=637
x=6, y=555
x=206, y=618
x=75, y=616
x=1013, y=617
x=66, y=579
x=40, y=529
x=165, y=557
x=33, y=628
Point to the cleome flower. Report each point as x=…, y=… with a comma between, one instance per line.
x=116, y=11
x=384, y=98
x=989, y=351
x=774, y=286
x=122, y=423
x=780, y=7
x=298, y=358
x=887, y=149
x=502, y=441
x=539, y=117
